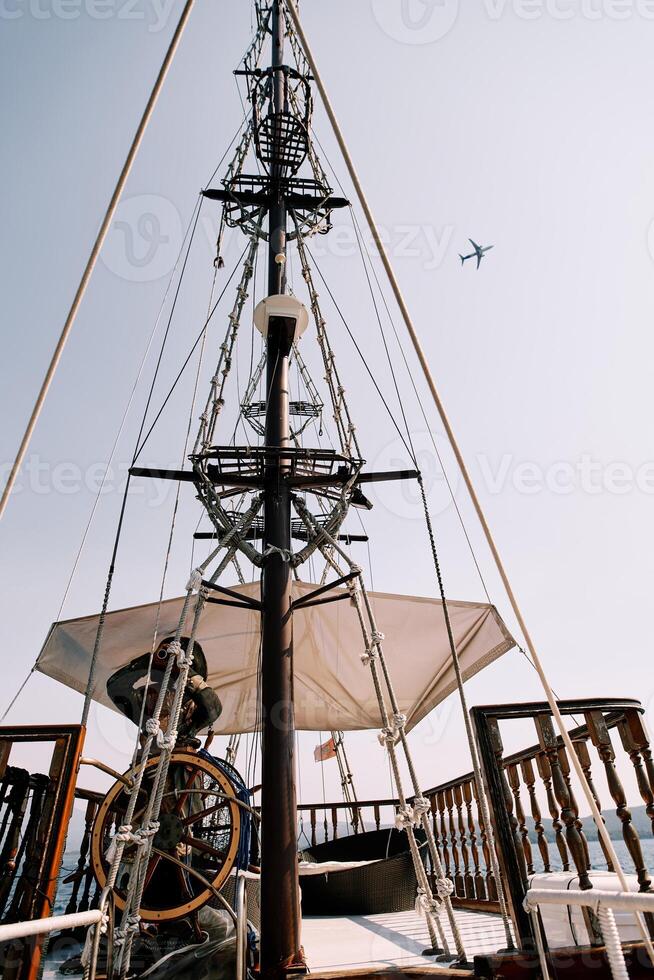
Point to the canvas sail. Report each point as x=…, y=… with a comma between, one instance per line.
x=333, y=692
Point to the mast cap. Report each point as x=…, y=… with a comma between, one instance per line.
x=284, y=307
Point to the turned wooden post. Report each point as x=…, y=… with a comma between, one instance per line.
x=601, y=739
x=514, y=782
x=564, y=762
x=581, y=748
x=446, y=850
x=545, y=773
x=433, y=803
x=479, y=889
x=468, y=883
x=312, y=818
x=635, y=741
x=79, y=873
x=459, y=888
x=491, y=884
x=334, y=823
x=529, y=779
x=574, y=836
x=498, y=750
x=377, y=814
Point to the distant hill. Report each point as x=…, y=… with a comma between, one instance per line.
x=639, y=818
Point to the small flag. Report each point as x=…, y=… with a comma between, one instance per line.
x=322, y=753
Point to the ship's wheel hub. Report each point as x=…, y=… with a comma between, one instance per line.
x=170, y=833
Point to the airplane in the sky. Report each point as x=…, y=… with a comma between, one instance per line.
x=478, y=253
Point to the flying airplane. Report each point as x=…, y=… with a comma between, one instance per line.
x=478, y=253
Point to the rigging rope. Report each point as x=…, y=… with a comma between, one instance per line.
x=188, y=358
x=448, y=483
x=549, y=693
x=155, y=634
x=472, y=745
x=393, y=732
x=360, y=353
x=95, y=252
x=121, y=518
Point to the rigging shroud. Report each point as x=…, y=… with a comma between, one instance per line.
x=333, y=692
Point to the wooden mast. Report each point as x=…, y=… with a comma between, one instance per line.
x=280, y=907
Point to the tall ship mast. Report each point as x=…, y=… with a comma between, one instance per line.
x=200, y=860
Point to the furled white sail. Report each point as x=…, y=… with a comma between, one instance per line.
x=333, y=691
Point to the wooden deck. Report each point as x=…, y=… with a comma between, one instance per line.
x=373, y=943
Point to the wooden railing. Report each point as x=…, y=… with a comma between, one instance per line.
x=533, y=798
x=84, y=889
x=35, y=809
x=534, y=801
x=535, y=787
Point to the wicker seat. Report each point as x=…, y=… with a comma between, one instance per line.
x=387, y=884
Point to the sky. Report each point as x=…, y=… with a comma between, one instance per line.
x=523, y=124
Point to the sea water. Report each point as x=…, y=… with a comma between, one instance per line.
x=597, y=861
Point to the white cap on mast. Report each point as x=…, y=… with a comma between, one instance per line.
x=287, y=307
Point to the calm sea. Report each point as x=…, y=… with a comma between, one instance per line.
x=596, y=857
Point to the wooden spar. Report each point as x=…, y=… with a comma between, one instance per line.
x=95, y=252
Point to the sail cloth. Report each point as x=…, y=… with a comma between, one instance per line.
x=333, y=690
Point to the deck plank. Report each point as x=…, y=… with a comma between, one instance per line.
x=350, y=944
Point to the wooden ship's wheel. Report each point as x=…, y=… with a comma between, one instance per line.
x=195, y=847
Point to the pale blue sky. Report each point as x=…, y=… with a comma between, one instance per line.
x=535, y=133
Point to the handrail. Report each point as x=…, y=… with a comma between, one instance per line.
x=241, y=910
x=603, y=903
x=54, y=923
x=626, y=901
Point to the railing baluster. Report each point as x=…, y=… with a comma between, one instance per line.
x=479, y=891
x=601, y=738
x=446, y=851
x=377, y=813
x=89, y=817
x=433, y=802
x=468, y=883
x=491, y=884
x=498, y=751
x=312, y=817
x=545, y=773
x=574, y=837
x=581, y=748
x=459, y=888
x=529, y=778
x=636, y=744
x=565, y=769
x=334, y=823
x=514, y=782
